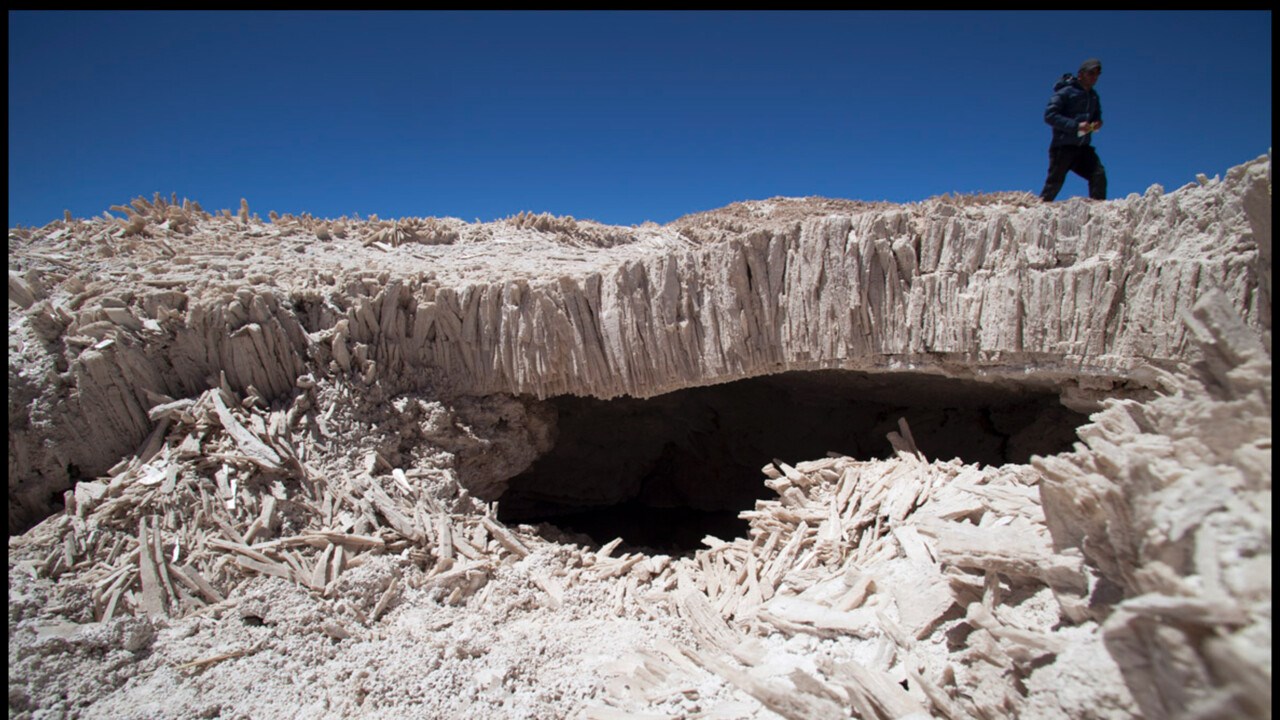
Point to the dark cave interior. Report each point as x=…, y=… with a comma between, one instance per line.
x=663, y=472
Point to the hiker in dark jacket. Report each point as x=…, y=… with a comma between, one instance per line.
x=1075, y=113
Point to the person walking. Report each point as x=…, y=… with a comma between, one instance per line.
x=1075, y=113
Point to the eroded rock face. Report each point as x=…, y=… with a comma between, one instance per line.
x=301, y=462
x=108, y=317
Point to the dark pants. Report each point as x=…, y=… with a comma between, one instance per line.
x=1082, y=161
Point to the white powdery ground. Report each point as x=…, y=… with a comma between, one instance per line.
x=319, y=551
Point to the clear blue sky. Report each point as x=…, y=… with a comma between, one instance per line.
x=619, y=117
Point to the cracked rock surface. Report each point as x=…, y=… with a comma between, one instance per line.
x=253, y=464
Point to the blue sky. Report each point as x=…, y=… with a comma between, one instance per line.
x=619, y=117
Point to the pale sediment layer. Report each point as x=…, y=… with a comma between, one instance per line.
x=108, y=317
x=283, y=438
x=1129, y=578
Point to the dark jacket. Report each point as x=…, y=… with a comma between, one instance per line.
x=1070, y=106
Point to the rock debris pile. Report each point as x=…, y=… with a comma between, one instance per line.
x=255, y=466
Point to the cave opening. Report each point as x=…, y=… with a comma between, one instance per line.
x=663, y=472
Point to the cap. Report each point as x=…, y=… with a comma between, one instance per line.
x=1090, y=64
